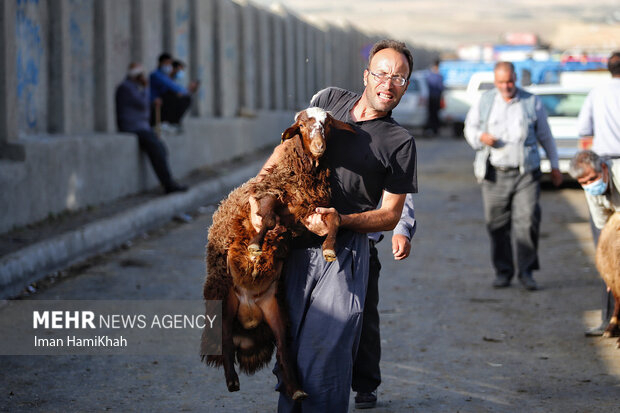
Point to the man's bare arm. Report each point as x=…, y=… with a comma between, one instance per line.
x=383, y=219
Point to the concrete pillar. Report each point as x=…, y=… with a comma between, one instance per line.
x=59, y=91
x=249, y=61
x=311, y=64
x=202, y=46
x=301, y=60
x=291, y=65
x=167, y=26
x=81, y=66
x=319, y=54
x=8, y=82
x=228, y=57
x=113, y=54
x=147, y=34
x=277, y=59
x=265, y=92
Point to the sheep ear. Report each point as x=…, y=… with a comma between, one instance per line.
x=342, y=125
x=290, y=132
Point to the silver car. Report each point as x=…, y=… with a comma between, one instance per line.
x=562, y=104
x=412, y=110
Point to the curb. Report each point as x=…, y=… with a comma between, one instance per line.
x=34, y=262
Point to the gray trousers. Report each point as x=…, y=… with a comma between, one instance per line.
x=325, y=301
x=511, y=209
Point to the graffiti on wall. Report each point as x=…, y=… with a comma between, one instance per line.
x=181, y=31
x=30, y=46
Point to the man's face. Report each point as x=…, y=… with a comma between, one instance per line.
x=590, y=175
x=505, y=83
x=384, y=96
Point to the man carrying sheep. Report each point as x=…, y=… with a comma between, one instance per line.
x=598, y=119
x=325, y=300
x=504, y=127
x=601, y=182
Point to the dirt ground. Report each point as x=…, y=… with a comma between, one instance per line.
x=451, y=343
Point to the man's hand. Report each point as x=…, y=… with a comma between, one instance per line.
x=401, y=247
x=193, y=86
x=556, y=177
x=255, y=219
x=157, y=102
x=488, y=139
x=315, y=222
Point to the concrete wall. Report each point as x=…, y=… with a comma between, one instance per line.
x=69, y=172
x=60, y=61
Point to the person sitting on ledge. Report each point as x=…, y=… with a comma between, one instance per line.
x=132, y=115
x=175, y=98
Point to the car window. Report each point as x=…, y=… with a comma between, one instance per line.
x=486, y=86
x=563, y=104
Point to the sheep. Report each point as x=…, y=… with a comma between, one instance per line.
x=608, y=265
x=244, y=265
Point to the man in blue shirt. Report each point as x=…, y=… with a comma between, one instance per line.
x=132, y=115
x=175, y=98
x=434, y=80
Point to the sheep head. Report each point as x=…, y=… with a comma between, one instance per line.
x=314, y=125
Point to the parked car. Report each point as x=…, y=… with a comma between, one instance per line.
x=412, y=110
x=458, y=100
x=562, y=104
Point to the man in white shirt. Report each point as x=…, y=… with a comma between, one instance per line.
x=505, y=127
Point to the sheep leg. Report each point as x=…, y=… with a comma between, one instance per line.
x=332, y=221
x=266, y=210
x=613, y=329
x=228, y=347
x=275, y=320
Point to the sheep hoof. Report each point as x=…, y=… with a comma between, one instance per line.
x=233, y=385
x=300, y=395
x=255, y=250
x=613, y=330
x=329, y=255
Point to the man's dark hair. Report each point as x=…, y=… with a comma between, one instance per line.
x=164, y=56
x=177, y=64
x=613, y=63
x=400, y=47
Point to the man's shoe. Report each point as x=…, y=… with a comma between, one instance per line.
x=501, y=282
x=596, y=331
x=175, y=187
x=365, y=400
x=528, y=283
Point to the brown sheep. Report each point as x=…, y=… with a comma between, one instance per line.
x=244, y=266
x=608, y=265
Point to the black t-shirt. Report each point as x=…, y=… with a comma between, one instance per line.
x=382, y=155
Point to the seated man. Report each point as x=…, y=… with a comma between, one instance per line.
x=175, y=98
x=132, y=115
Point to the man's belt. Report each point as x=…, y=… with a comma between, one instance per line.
x=506, y=168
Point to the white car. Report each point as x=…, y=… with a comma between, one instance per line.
x=562, y=104
x=412, y=110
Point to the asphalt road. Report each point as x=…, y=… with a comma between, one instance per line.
x=451, y=343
